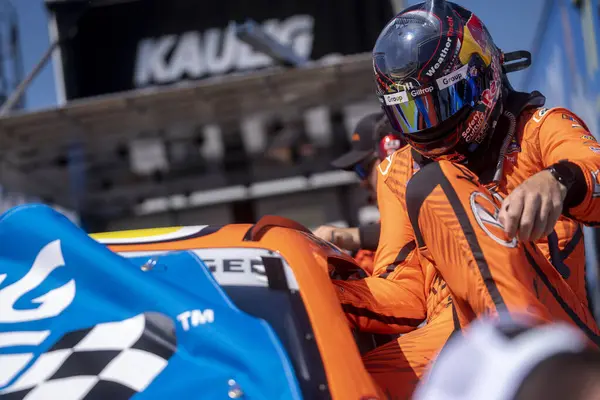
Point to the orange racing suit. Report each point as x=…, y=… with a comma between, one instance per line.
x=365, y=258
x=401, y=294
x=453, y=217
x=369, y=239
x=546, y=279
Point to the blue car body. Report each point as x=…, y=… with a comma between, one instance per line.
x=154, y=328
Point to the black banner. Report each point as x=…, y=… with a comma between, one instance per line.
x=140, y=43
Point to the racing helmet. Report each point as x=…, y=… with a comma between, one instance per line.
x=438, y=75
x=387, y=140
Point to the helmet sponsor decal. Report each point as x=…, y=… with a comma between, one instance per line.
x=445, y=49
x=475, y=127
x=404, y=90
x=478, y=124
x=441, y=58
x=453, y=77
x=421, y=91
x=408, y=85
x=395, y=98
x=490, y=95
x=475, y=41
x=413, y=87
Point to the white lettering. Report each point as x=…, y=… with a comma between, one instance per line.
x=183, y=319
x=203, y=317
x=193, y=318
x=441, y=58
x=419, y=92
x=150, y=62
x=475, y=128
x=217, y=51
x=453, y=77
x=395, y=98
x=219, y=63
x=187, y=58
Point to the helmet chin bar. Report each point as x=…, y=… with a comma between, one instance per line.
x=516, y=61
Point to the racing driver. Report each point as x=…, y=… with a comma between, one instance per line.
x=490, y=194
x=493, y=187
x=397, y=301
x=372, y=141
x=404, y=294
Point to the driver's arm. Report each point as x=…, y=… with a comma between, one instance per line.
x=392, y=300
x=369, y=236
x=563, y=137
x=379, y=305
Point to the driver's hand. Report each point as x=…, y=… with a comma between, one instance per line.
x=344, y=238
x=532, y=209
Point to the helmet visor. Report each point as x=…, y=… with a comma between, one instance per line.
x=416, y=111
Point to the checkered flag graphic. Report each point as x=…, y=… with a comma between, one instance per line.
x=112, y=360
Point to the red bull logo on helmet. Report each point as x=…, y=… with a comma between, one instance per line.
x=475, y=41
x=489, y=96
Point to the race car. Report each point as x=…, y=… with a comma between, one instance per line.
x=234, y=311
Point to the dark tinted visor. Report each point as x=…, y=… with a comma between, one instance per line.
x=413, y=110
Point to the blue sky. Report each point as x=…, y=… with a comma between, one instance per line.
x=512, y=23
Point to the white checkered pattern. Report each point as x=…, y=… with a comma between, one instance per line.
x=113, y=360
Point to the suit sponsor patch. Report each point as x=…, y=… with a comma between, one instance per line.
x=537, y=117
x=486, y=213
